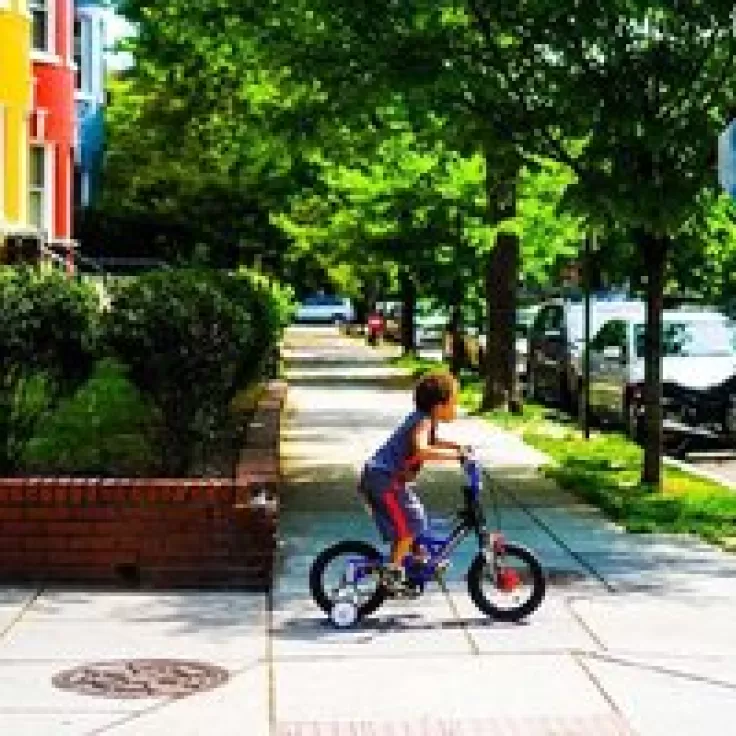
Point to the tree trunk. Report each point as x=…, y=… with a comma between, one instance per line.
x=511, y=248
x=654, y=252
x=371, y=291
x=502, y=276
x=456, y=348
x=363, y=306
x=500, y=357
x=408, y=305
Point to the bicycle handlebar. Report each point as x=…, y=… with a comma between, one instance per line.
x=473, y=471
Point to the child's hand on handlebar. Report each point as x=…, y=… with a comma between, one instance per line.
x=464, y=454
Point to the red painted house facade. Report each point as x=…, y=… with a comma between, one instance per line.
x=52, y=124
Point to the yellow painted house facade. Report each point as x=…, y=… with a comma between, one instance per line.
x=16, y=89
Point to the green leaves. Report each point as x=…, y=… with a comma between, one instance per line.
x=191, y=339
x=48, y=341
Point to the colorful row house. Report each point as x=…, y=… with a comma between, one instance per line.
x=51, y=58
x=90, y=95
x=16, y=89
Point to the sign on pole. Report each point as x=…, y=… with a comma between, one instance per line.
x=727, y=159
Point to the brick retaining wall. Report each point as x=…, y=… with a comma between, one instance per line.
x=151, y=532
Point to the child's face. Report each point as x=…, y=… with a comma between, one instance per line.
x=447, y=412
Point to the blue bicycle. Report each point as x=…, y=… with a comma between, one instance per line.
x=505, y=580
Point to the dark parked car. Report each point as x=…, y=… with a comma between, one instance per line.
x=473, y=342
x=554, y=371
x=698, y=375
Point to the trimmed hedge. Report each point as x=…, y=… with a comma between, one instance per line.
x=183, y=343
x=48, y=340
x=191, y=338
x=105, y=428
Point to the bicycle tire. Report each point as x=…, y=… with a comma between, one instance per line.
x=316, y=573
x=539, y=586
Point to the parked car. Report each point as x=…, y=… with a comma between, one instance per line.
x=474, y=342
x=326, y=310
x=698, y=373
x=556, y=338
x=392, y=315
x=430, y=322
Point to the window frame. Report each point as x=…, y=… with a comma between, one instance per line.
x=45, y=190
x=47, y=8
x=542, y=321
x=82, y=62
x=602, y=340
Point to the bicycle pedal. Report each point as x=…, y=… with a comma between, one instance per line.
x=407, y=594
x=406, y=591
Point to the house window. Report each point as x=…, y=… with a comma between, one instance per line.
x=37, y=191
x=81, y=188
x=78, y=58
x=82, y=53
x=41, y=25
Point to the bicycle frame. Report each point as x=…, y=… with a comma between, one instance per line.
x=471, y=519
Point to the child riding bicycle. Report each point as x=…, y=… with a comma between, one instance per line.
x=387, y=481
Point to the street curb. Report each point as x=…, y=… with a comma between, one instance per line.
x=704, y=474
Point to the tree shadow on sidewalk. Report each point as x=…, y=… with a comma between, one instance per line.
x=384, y=383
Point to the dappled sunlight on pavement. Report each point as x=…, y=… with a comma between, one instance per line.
x=635, y=636
x=615, y=602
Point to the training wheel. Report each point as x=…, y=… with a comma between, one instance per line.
x=344, y=614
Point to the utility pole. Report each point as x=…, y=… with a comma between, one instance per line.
x=587, y=279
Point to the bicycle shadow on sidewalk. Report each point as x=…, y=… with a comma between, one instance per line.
x=309, y=628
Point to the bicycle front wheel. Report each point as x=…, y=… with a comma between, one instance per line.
x=331, y=576
x=510, y=590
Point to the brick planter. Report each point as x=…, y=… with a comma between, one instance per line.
x=151, y=532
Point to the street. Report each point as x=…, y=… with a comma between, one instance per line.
x=721, y=464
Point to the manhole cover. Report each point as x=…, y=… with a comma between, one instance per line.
x=141, y=678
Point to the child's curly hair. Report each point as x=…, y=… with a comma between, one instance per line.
x=432, y=390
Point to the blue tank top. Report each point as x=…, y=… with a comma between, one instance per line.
x=391, y=457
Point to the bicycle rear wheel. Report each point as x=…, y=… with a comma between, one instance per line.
x=512, y=589
x=327, y=577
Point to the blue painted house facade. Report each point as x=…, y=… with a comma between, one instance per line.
x=90, y=22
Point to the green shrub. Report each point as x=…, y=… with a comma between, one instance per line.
x=269, y=307
x=48, y=332
x=105, y=428
x=184, y=340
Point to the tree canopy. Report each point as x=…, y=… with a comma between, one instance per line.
x=438, y=143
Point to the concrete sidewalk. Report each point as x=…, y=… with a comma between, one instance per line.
x=636, y=634
x=46, y=633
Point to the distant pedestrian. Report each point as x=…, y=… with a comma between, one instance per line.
x=376, y=325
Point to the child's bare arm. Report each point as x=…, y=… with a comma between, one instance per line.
x=423, y=449
x=447, y=445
